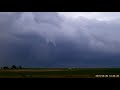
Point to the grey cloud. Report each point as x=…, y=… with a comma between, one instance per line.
x=45, y=39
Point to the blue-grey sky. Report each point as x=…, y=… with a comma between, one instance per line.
x=60, y=39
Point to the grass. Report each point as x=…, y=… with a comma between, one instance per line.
x=58, y=72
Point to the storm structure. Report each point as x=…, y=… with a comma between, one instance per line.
x=60, y=39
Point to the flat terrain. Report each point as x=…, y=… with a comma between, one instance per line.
x=61, y=73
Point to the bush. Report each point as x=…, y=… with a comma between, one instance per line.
x=20, y=67
x=14, y=67
x=5, y=67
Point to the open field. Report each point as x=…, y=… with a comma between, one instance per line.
x=61, y=73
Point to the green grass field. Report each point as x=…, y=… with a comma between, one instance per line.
x=59, y=73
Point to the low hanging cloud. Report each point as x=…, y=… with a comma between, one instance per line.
x=47, y=39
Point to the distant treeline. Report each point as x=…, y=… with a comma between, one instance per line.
x=12, y=67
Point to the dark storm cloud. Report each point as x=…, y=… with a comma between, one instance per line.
x=45, y=39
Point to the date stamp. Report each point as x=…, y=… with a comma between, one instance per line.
x=109, y=76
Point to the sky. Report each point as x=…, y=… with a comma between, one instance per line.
x=60, y=39
x=92, y=15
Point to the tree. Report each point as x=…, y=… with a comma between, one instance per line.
x=14, y=67
x=20, y=67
